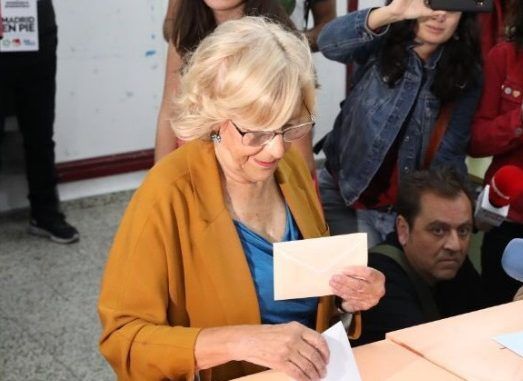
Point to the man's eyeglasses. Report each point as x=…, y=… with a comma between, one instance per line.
x=289, y=134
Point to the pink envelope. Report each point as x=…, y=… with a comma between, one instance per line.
x=304, y=268
x=464, y=344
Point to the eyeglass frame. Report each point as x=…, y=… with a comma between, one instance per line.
x=281, y=132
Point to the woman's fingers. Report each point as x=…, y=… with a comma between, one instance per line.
x=318, y=343
x=309, y=361
x=300, y=352
x=359, y=287
x=311, y=354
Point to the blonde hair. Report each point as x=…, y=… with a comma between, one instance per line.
x=251, y=71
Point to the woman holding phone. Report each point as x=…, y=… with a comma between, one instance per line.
x=414, y=91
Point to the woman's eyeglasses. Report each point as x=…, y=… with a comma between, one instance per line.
x=289, y=134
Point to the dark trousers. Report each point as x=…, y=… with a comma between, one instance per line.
x=498, y=286
x=28, y=78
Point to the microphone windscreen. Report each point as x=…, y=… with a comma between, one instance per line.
x=505, y=185
x=512, y=260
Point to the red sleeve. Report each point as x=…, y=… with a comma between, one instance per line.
x=494, y=132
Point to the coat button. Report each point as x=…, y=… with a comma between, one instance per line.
x=518, y=132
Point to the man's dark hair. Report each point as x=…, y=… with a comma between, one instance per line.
x=444, y=182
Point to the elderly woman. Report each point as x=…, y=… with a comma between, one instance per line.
x=188, y=286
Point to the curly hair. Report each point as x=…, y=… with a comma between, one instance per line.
x=458, y=67
x=515, y=23
x=249, y=70
x=193, y=20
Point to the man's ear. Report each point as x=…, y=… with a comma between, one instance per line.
x=402, y=229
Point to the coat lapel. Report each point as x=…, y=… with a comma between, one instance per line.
x=218, y=242
x=307, y=216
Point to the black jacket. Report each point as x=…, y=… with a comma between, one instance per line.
x=401, y=306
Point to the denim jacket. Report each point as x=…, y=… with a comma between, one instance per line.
x=373, y=114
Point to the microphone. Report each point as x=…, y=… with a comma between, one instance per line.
x=512, y=260
x=494, y=200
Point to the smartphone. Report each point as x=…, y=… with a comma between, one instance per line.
x=460, y=5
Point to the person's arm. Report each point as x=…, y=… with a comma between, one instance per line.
x=165, y=137
x=360, y=31
x=495, y=132
x=165, y=141
x=347, y=36
x=322, y=11
x=398, y=10
x=292, y=348
x=137, y=339
x=168, y=20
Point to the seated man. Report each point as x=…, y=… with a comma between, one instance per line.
x=428, y=273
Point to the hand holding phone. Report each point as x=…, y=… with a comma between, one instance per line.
x=461, y=5
x=409, y=9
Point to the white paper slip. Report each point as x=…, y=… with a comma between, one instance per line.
x=304, y=268
x=342, y=365
x=512, y=341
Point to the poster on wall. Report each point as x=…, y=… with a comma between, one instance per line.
x=20, y=26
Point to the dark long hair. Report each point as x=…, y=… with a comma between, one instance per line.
x=194, y=20
x=458, y=67
x=515, y=24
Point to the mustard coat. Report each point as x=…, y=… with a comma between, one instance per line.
x=177, y=266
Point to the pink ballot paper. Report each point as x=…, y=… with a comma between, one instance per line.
x=303, y=268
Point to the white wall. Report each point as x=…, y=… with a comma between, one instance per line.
x=331, y=77
x=362, y=4
x=111, y=57
x=111, y=61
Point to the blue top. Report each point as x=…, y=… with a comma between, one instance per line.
x=374, y=113
x=259, y=256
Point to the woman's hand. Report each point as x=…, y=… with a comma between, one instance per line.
x=359, y=287
x=410, y=9
x=292, y=348
x=399, y=10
